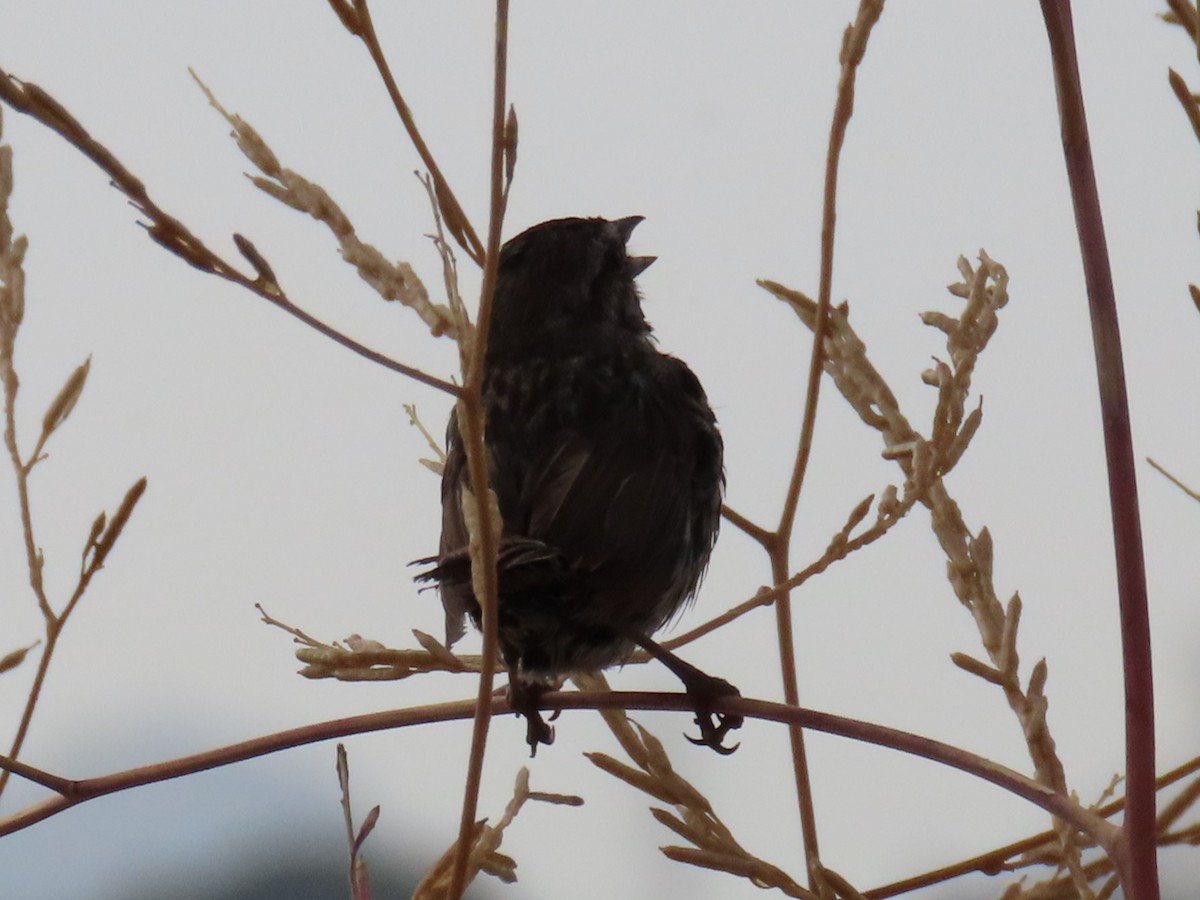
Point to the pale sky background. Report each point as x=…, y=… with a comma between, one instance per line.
x=282, y=469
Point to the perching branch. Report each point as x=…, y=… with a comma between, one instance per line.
x=72, y=793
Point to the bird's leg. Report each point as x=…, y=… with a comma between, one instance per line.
x=703, y=690
x=525, y=698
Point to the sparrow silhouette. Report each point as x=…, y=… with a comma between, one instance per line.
x=606, y=461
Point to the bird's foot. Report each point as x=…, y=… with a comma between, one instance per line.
x=525, y=699
x=714, y=726
x=703, y=689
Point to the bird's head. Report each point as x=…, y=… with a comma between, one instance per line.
x=567, y=283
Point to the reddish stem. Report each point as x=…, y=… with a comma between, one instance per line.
x=1138, y=868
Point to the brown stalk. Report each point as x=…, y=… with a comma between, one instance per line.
x=751, y=528
x=853, y=47
x=54, y=623
x=471, y=423
x=104, y=533
x=360, y=886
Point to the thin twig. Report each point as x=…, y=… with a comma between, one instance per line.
x=174, y=236
x=94, y=555
x=1175, y=481
x=104, y=533
x=356, y=16
x=837, y=550
x=993, y=859
x=753, y=529
x=853, y=47
x=360, y=885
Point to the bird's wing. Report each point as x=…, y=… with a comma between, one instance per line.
x=612, y=505
x=457, y=596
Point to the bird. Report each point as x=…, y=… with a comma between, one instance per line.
x=607, y=466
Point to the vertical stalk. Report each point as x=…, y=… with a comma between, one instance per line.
x=472, y=425
x=854, y=45
x=1138, y=867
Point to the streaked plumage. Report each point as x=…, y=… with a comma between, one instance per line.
x=604, y=455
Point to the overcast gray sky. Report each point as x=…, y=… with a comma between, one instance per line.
x=282, y=469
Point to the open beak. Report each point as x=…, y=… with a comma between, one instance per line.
x=639, y=264
x=625, y=226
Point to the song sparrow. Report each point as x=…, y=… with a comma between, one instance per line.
x=607, y=465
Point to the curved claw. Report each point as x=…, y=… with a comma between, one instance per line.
x=713, y=735
x=537, y=732
x=703, y=689
x=524, y=699
x=714, y=726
